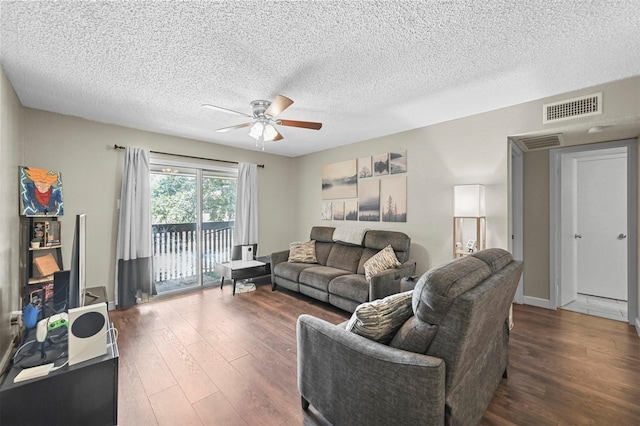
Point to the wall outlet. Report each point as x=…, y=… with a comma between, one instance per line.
x=15, y=318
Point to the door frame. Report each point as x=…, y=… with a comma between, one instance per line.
x=555, y=230
x=516, y=219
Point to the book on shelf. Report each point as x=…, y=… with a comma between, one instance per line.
x=46, y=264
x=52, y=233
x=41, y=295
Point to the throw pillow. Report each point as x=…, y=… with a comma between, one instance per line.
x=303, y=252
x=380, y=319
x=381, y=261
x=414, y=336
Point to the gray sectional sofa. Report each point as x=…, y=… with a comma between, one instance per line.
x=338, y=277
x=441, y=367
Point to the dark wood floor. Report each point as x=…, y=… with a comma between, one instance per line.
x=207, y=358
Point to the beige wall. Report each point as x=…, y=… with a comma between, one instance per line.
x=91, y=174
x=464, y=151
x=10, y=157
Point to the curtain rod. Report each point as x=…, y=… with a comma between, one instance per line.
x=188, y=156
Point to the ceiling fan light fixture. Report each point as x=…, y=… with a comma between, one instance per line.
x=269, y=132
x=256, y=130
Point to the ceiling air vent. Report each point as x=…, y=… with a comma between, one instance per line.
x=583, y=106
x=533, y=143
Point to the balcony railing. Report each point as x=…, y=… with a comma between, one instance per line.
x=175, y=250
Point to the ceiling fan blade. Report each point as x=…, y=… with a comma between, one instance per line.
x=278, y=137
x=217, y=108
x=278, y=105
x=303, y=124
x=238, y=126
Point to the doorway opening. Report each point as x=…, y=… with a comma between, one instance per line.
x=593, y=263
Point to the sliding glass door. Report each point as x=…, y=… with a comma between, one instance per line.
x=218, y=216
x=193, y=212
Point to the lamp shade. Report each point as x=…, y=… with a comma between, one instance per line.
x=256, y=130
x=469, y=201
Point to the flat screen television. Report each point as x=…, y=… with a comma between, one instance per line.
x=77, y=276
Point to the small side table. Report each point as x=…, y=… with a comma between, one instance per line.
x=240, y=270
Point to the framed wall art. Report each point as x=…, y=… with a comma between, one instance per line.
x=364, y=167
x=340, y=180
x=393, y=197
x=337, y=209
x=40, y=192
x=326, y=211
x=351, y=210
x=369, y=201
x=398, y=162
x=380, y=164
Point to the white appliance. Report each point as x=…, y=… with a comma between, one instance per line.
x=247, y=253
x=87, y=332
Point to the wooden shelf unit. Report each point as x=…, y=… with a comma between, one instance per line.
x=31, y=278
x=469, y=228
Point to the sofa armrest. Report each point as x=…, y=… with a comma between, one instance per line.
x=354, y=380
x=278, y=257
x=387, y=282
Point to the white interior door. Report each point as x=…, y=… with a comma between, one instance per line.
x=601, y=225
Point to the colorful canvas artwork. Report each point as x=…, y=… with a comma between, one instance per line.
x=40, y=192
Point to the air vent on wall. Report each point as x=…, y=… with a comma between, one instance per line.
x=532, y=143
x=569, y=109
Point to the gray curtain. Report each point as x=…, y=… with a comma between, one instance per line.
x=133, y=251
x=246, y=226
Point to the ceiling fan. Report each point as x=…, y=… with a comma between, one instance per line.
x=264, y=119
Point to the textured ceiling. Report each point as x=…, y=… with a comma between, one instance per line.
x=363, y=68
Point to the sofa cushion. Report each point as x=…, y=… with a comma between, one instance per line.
x=291, y=271
x=438, y=287
x=378, y=239
x=320, y=276
x=303, y=252
x=344, y=257
x=322, y=234
x=414, y=336
x=352, y=286
x=383, y=260
x=367, y=254
x=494, y=257
x=380, y=319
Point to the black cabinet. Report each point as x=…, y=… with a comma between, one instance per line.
x=83, y=394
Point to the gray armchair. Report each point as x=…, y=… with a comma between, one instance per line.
x=463, y=306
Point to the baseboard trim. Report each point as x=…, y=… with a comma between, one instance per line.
x=535, y=301
x=6, y=358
